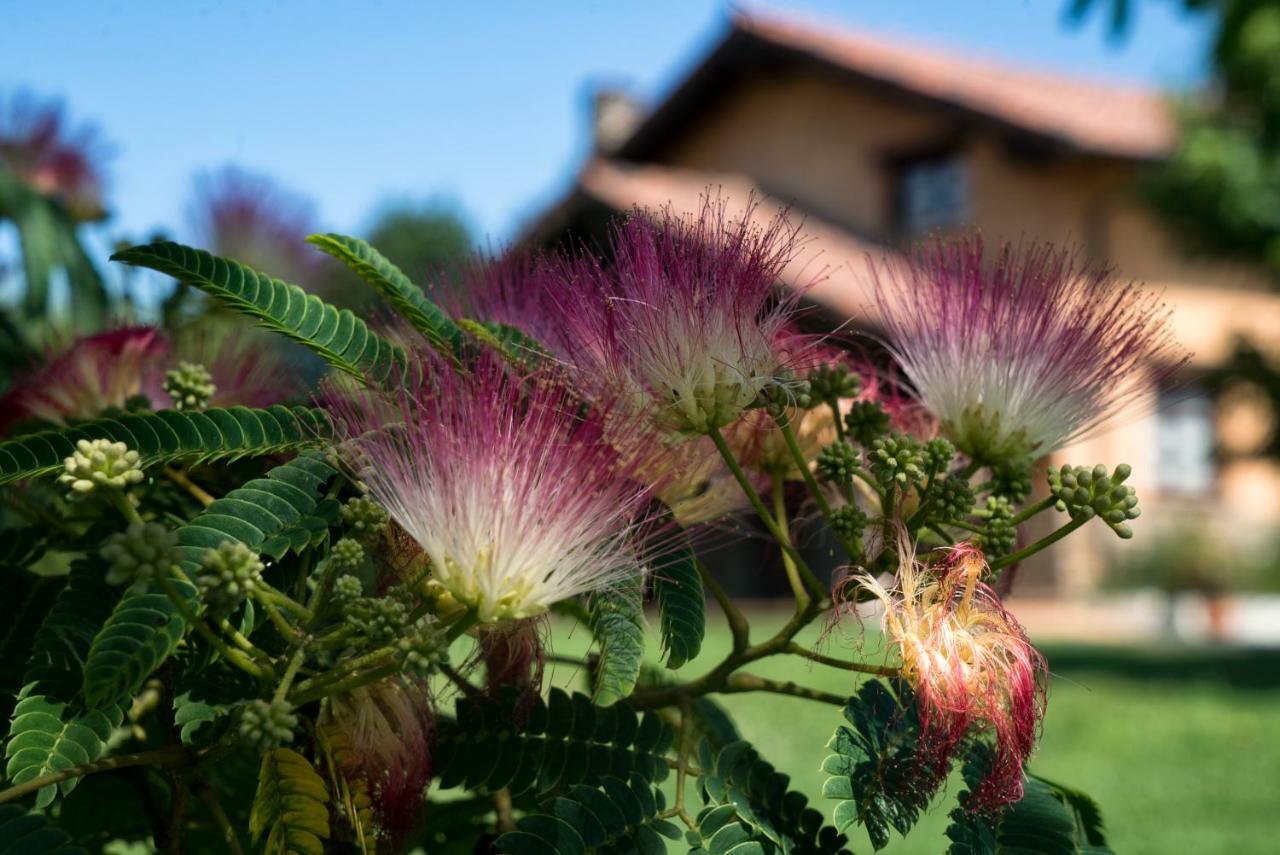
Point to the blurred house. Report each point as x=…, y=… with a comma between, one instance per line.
x=879, y=142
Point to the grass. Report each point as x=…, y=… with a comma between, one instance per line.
x=1180, y=746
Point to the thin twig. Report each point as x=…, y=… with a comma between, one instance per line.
x=171, y=756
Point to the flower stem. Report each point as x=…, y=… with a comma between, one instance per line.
x=197, y=492
x=1046, y=541
x=824, y=507
x=120, y=500
x=751, y=683
x=1031, y=510
x=832, y=662
x=761, y=511
x=780, y=514
x=231, y=654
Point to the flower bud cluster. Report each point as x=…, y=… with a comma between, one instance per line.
x=364, y=517
x=1001, y=534
x=100, y=463
x=228, y=574
x=938, y=454
x=1011, y=478
x=777, y=398
x=140, y=553
x=830, y=383
x=838, y=462
x=952, y=498
x=267, y=724
x=848, y=521
x=348, y=588
x=190, y=385
x=897, y=459
x=1085, y=493
x=347, y=554
x=865, y=421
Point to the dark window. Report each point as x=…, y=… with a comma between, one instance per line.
x=932, y=193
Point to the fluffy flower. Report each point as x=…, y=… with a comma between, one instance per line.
x=509, y=487
x=684, y=317
x=969, y=661
x=1025, y=352
x=384, y=731
x=248, y=217
x=38, y=146
x=93, y=373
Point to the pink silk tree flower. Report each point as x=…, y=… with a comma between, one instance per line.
x=42, y=150
x=684, y=315
x=385, y=728
x=90, y=375
x=508, y=484
x=969, y=662
x=1024, y=352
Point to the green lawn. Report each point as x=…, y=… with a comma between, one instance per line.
x=1180, y=746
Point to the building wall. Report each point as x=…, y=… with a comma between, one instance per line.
x=821, y=141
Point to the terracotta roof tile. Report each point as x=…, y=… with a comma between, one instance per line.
x=1094, y=115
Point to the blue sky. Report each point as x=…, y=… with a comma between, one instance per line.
x=480, y=102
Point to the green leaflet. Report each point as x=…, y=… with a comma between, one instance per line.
x=141, y=633
x=169, y=435
x=48, y=731
x=291, y=808
x=1050, y=819
x=778, y=819
x=27, y=600
x=563, y=740
x=617, y=623
x=874, y=772
x=23, y=833
x=389, y=281
x=337, y=336
x=614, y=816
x=517, y=346
x=682, y=614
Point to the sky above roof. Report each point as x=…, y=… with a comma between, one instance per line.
x=480, y=103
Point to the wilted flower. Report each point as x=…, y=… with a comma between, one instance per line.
x=684, y=317
x=510, y=488
x=1023, y=353
x=968, y=660
x=92, y=374
x=385, y=728
x=40, y=148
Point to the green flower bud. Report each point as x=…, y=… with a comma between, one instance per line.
x=952, y=498
x=849, y=521
x=266, y=725
x=865, y=421
x=140, y=553
x=381, y=620
x=1088, y=492
x=190, y=385
x=837, y=462
x=347, y=554
x=364, y=517
x=348, y=588
x=1002, y=535
x=424, y=648
x=897, y=459
x=228, y=574
x=938, y=454
x=830, y=383
x=1012, y=479
x=100, y=463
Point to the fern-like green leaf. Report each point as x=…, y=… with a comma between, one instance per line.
x=778, y=819
x=515, y=344
x=563, y=740
x=875, y=772
x=28, y=598
x=682, y=608
x=617, y=623
x=169, y=435
x=141, y=633
x=290, y=812
x=23, y=833
x=615, y=816
x=400, y=291
x=258, y=511
x=337, y=336
x=1050, y=819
